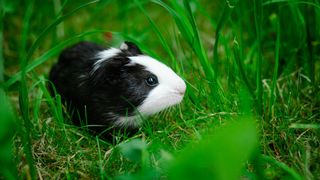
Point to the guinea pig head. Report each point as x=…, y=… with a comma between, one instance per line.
x=168, y=88
x=134, y=84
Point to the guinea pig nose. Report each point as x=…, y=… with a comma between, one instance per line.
x=181, y=89
x=181, y=93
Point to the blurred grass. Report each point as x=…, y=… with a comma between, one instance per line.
x=7, y=129
x=257, y=13
x=251, y=109
x=25, y=130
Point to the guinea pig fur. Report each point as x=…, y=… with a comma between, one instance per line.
x=111, y=88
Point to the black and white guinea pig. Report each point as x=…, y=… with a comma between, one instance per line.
x=111, y=87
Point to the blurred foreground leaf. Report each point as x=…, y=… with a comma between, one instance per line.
x=133, y=150
x=220, y=155
x=136, y=151
x=7, y=166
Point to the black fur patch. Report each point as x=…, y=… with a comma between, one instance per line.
x=132, y=49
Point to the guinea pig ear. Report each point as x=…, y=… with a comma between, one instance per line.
x=108, y=71
x=130, y=48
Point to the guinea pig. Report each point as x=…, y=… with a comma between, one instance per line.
x=114, y=88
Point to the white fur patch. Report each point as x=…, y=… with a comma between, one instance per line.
x=130, y=121
x=104, y=56
x=170, y=90
x=124, y=46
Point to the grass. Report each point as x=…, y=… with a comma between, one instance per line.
x=251, y=109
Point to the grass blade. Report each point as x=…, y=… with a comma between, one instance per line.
x=258, y=25
x=181, y=22
x=222, y=20
x=215, y=87
x=157, y=31
x=304, y=126
x=1, y=47
x=26, y=131
x=186, y=24
x=55, y=105
x=276, y=66
x=199, y=49
x=310, y=18
x=243, y=75
x=102, y=172
x=52, y=26
x=50, y=53
x=283, y=166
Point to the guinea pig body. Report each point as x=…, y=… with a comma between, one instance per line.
x=111, y=88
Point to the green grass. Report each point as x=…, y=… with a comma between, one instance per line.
x=251, y=110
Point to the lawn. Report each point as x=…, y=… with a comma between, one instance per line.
x=251, y=109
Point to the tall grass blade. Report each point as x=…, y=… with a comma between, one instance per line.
x=58, y=9
x=26, y=131
x=186, y=24
x=157, y=31
x=1, y=46
x=62, y=7
x=215, y=87
x=222, y=20
x=37, y=107
x=258, y=25
x=50, y=53
x=276, y=66
x=313, y=4
x=243, y=75
x=199, y=49
x=182, y=24
x=53, y=25
x=54, y=104
x=310, y=18
x=102, y=172
x=294, y=175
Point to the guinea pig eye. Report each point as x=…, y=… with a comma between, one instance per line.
x=152, y=80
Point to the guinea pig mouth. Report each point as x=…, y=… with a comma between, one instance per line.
x=149, y=107
x=172, y=100
x=154, y=105
x=179, y=98
x=179, y=92
x=176, y=97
